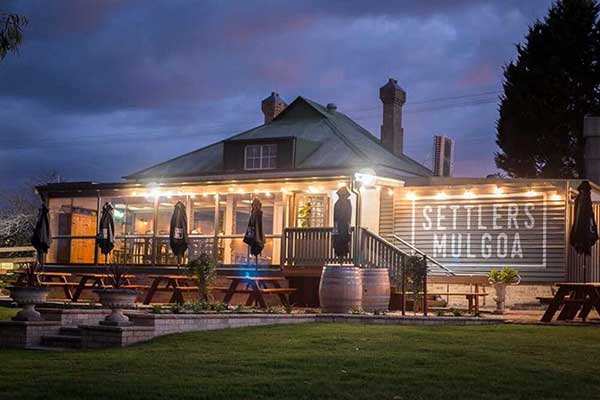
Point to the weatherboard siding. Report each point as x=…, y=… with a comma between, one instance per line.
x=473, y=235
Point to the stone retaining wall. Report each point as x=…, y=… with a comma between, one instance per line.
x=164, y=324
x=147, y=326
x=74, y=317
x=22, y=334
x=98, y=336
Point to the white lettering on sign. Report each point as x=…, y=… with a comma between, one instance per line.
x=439, y=245
x=440, y=218
x=461, y=232
x=427, y=223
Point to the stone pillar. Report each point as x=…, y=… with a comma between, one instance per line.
x=272, y=106
x=393, y=98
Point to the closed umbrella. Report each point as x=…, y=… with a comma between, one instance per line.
x=342, y=215
x=584, y=232
x=255, y=237
x=41, y=239
x=105, y=239
x=178, y=235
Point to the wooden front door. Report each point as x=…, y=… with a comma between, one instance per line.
x=82, y=250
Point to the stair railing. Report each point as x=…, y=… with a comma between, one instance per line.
x=430, y=259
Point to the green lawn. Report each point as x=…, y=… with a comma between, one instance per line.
x=6, y=313
x=346, y=361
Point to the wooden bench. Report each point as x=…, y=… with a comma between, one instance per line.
x=277, y=290
x=472, y=298
x=136, y=286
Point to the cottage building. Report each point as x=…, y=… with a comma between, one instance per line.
x=294, y=163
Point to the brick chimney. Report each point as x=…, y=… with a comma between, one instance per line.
x=393, y=98
x=272, y=106
x=591, y=151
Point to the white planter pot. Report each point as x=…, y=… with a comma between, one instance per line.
x=28, y=297
x=117, y=300
x=500, y=298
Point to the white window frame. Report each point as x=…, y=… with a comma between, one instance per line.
x=266, y=156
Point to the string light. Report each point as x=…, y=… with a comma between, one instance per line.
x=390, y=192
x=441, y=196
x=531, y=193
x=341, y=184
x=498, y=190
x=411, y=196
x=556, y=197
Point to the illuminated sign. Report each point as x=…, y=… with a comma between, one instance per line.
x=485, y=232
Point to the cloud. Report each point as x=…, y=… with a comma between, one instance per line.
x=108, y=87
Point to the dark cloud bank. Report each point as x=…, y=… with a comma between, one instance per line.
x=102, y=88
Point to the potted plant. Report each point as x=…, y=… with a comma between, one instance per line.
x=500, y=279
x=118, y=297
x=202, y=269
x=30, y=294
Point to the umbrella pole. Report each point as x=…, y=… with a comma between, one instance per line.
x=584, y=269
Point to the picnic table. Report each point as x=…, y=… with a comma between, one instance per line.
x=256, y=287
x=98, y=281
x=573, y=298
x=50, y=279
x=177, y=284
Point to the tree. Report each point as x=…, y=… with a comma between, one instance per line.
x=11, y=32
x=553, y=83
x=18, y=211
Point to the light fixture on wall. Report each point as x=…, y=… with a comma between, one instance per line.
x=469, y=194
x=498, y=190
x=411, y=196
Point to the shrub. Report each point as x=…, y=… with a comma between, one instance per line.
x=156, y=309
x=203, y=270
x=505, y=275
x=456, y=312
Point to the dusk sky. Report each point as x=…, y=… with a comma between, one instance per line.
x=101, y=89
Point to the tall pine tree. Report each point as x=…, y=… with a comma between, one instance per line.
x=548, y=89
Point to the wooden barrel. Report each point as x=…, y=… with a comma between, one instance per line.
x=340, y=289
x=376, y=289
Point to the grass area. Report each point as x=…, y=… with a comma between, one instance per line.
x=345, y=361
x=7, y=313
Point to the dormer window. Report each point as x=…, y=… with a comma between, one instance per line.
x=260, y=156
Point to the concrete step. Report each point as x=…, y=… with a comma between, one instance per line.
x=70, y=331
x=62, y=341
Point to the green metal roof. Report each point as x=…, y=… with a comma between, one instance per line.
x=324, y=140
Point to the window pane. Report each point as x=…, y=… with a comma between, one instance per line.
x=312, y=211
x=139, y=216
x=203, y=216
x=241, y=212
